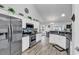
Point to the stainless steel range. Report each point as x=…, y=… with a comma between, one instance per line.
x=29, y=30
x=32, y=40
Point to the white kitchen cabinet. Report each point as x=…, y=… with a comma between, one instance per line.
x=25, y=43
x=52, y=38
x=58, y=39
x=23, y=24
x=63, y=41
x=29, y=21
x=38, y=37
x=37, y=25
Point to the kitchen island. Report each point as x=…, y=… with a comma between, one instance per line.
x=60, y=38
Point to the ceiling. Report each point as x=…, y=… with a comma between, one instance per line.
x=53, y=12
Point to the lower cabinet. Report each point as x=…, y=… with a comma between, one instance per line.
x=57, y=39
x=38, y=37
x=25, y=43
x=62, y=40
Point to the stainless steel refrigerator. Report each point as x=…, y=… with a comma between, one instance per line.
x=10, y=35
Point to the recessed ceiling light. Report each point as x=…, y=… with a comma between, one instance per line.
x=63, y=15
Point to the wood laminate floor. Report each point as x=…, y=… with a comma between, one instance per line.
x=43, y=48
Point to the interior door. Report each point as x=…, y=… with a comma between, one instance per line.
x=16, y=32
x=4, y=35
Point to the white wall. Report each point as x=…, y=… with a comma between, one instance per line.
x=75, y=30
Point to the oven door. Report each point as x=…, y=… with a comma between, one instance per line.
x=32, y=40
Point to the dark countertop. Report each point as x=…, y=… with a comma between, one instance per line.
x=68, y=35
x=24, y=35
x=62, y=33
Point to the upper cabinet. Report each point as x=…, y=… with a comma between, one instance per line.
x=35, y=23
x=24, y=23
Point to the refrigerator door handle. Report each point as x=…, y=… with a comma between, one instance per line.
x=11, y=32
x=8, y=34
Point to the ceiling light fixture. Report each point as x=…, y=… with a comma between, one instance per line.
x=63, y=15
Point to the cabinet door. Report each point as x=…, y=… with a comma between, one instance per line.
x=38, y=37
x=52, y=38
x=24, y=23
x=25, y=43
x=56, y=39
x=62, y=41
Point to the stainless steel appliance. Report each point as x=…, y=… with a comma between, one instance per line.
x=10, y=35
x=32, y=40
x=29, y=30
